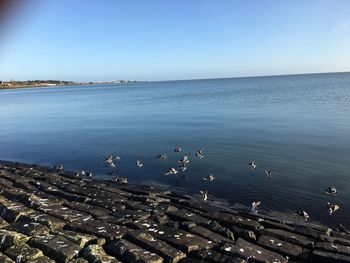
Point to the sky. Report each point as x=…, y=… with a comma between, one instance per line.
x=91, y=40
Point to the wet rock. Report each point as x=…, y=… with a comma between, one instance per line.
x=89, y=209
x=319, y=256
x=28, y=228
x=11, y=238
x=96, y=254
x=5, y=259
x=150, y=243
x=185, y=215
x=78, y=260
x=249, y=251
x=42, y=259
x=335, y=248
x=23, y=253
x=51, y=222
x=284, y=248
x=130, y=252
x=216, y=227
x=228, y=219
x=202, y=231
x=65, y=213
x=334, y=240
x=160, y=218
x=98, y=228
x=56, y=247
x=131, y=214
x=289, y=237
x=80, y=239
x=216, y=257
x=3, y=223
x=11, y=211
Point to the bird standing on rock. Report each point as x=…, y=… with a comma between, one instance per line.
x=121, y=180
x=304, y=214
x=204, y=195
x=254, y=207
x=58, y=167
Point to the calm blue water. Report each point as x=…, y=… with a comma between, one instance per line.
x=299, y=126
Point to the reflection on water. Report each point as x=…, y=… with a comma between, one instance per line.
x=298, y=126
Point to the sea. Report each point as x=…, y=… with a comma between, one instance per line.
x=298, y=126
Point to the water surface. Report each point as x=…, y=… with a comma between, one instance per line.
x=299, y=126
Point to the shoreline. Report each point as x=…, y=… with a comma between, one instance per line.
x=61, y=217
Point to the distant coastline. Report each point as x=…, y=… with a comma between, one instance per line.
x=53, y=83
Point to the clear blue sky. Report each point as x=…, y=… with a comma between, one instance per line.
x=91, y=40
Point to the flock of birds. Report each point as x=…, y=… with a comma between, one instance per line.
x=111, y=162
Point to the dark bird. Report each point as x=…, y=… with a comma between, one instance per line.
x=209, y=177
x=252, y=165
x=268, y=173
x=162, y=156
x=332, y=190
x=58, y=167
x=177, y=149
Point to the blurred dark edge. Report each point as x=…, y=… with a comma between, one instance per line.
x=6, y=8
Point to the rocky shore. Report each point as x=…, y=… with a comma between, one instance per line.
x=47, y=215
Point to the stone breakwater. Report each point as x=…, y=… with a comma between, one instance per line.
x=48, y=215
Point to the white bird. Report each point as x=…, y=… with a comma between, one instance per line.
x=121, y=180
x=304, y=214
x=109, y=160
x=204, y=195
x=254, y=207
x=171, y=171
x=184, y=160
x=139, y=162
x=200, y=153
x=58, y=167
x=209, y=177
x=252, y=165
x=331, y=208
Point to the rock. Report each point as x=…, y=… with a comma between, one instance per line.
x=80, y=239
x=96, y=254
x=89, y=209
x=28, y=228
x=335, y=240
x=335, y=248
x=42, y=259
x=202, y=231
x=318, y=256
x=51, y=222
x=56, y=247
x=148, y=242
x=284, y=248
x=216, y=257
x=98, y=228
x=23, y=253
x=11, y=211
x=228, y=219
x=65, y=213
x=249, y=251
x=130, y=252
x=5, y=259
x=185, y=215
x=216, y=227
x=11, y=238
x=78, y=260
x=289, y=237
x=131, y=215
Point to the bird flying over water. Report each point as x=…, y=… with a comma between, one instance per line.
x=177, y=149
x=110, y=160
x=268, y=173
x=332, y=190
x=171, y=171
x=184, y=160
x=139, y=162
x=204, y=195
x=331, y=208
x=209, y=177
x=162, y=156
x=200, y=153
x=252, y=165
x=254, y=207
